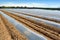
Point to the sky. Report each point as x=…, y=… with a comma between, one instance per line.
x=31, y=3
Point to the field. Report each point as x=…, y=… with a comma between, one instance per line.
x=30, y=24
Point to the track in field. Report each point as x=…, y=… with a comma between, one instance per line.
x=41, y=17
x=13, y=34
x=53, y=34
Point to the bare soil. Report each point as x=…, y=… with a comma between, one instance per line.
x=50, y=34
x=8, y=31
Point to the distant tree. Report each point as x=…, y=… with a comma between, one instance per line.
x=3, y=6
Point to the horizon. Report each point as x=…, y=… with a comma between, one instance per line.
x=31, y=3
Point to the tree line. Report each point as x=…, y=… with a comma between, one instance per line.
x=31, y=8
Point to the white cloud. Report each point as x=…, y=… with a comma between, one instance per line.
x=30, y=5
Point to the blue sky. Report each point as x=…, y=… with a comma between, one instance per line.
x=31, y=3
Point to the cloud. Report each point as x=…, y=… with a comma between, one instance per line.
x=30, y=4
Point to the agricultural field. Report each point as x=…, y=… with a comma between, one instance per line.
x=30, y=24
